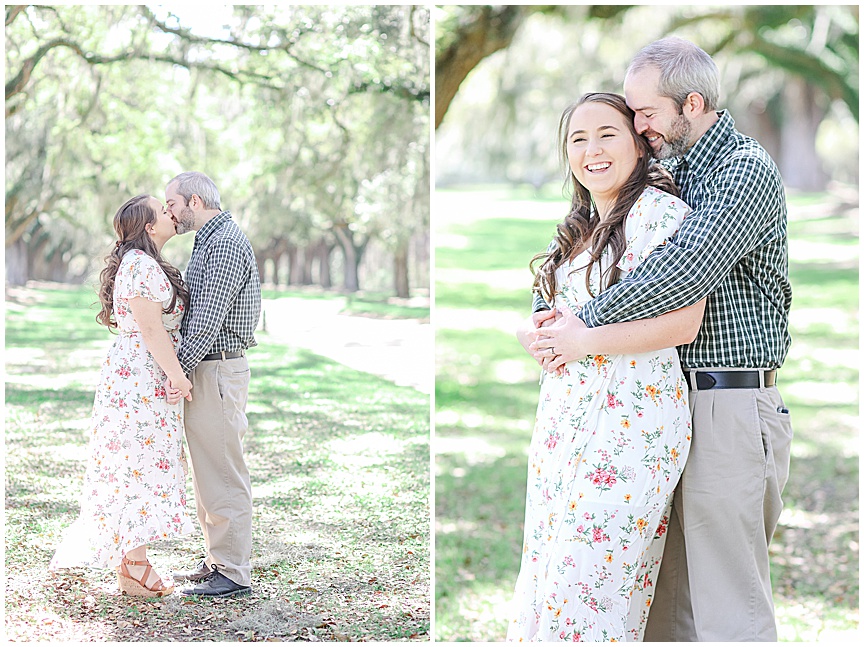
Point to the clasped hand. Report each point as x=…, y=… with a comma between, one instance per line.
x=558, y=337
x=178, y=389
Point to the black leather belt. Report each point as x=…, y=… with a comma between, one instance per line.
x=224, y=355
x=730, y=379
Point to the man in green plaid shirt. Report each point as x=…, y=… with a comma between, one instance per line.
x=714, y=582
x=217, y=329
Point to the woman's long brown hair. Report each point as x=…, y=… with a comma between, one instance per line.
x=582, y=227
x=130, y=226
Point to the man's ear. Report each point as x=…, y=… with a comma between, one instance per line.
x=694, y=105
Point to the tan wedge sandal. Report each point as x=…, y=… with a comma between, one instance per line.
x=133, y=586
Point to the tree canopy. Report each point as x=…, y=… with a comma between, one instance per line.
x=312, y=120
x=503, y=74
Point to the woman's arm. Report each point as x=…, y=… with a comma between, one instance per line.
x=148, y=316
x=572, y=339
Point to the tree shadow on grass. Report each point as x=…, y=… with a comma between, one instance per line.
x=478, y=538
x=510, y=401
x=814, y=551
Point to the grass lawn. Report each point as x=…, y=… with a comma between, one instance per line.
x=340, y=478
x=486, y=396
x=364, y=304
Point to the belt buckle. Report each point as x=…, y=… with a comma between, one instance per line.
x=712, y=381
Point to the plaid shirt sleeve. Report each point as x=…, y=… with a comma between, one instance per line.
x=226, y=271
x=732, y=218
x=539, y=303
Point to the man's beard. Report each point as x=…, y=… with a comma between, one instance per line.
x=186, y=221
x=677, y=141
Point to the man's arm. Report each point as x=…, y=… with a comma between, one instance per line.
x=539, y=303
x=226, y=270
x=571, y=339
x=733, y=219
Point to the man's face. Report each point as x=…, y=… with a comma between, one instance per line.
x=179, y=210
x=657, y=118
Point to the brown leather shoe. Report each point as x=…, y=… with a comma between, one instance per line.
x=200, y=572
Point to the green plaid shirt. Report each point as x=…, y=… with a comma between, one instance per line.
x=732, y=248
x=225, y=293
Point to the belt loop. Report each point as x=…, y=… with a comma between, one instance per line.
x=223, y=355
x=761, y=380
x=693, y=386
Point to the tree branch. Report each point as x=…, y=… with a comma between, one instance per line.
x=491, y=30
x=413, y=31
x=813, y=70
x=12, y=11
x=187, y=35
x=407, y=92
x=20, y=80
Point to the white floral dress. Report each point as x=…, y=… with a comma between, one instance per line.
x=135, y=484
x=609, y=444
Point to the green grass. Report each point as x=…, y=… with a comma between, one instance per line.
x=486, y=395
x=339, y=462
x=384, y=306
x=368, y=304
x=479, y=296
x=511, y=238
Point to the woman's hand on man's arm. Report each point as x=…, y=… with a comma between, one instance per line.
x=525, y=332
x=572, y=339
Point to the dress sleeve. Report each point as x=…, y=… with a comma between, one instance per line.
x=141, y=276
x=654, y=218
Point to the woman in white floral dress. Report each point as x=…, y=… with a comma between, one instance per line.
x=612, y=430
x=135, y=484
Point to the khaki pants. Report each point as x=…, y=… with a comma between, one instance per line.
x=714, y=583
x=215, y=426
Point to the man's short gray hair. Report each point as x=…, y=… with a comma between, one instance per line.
x=196, y=182
x=684, y=68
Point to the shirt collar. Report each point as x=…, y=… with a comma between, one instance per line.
x=211, y=226
x=708, y=146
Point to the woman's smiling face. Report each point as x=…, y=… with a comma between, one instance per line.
x=601, y=150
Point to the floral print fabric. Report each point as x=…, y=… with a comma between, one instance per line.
x=610, y=440
x=135, y=483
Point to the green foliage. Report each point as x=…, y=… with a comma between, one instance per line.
x=500, y=127
x=293, y=110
